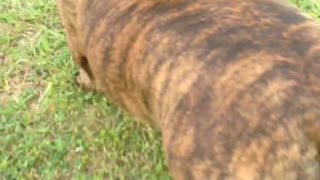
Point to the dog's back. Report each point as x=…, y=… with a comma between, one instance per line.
x=234, y=86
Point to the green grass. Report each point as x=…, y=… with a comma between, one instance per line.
x=49, y=127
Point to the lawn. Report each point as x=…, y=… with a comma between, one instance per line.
x=49, y=127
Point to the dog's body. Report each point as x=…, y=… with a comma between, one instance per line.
x=233, y=85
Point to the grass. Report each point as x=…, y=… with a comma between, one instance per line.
x=49, y=127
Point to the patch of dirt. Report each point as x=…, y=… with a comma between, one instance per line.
x=4, y=27
x=30, y=37
x=15, y=73
x=2, y=59
x=14, y=80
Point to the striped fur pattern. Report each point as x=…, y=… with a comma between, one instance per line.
x=233, y=85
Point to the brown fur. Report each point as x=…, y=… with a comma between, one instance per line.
x=233, y=85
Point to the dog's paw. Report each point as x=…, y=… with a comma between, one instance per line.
x=84, y=81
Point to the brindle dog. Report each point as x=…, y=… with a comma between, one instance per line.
x=233, y=85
